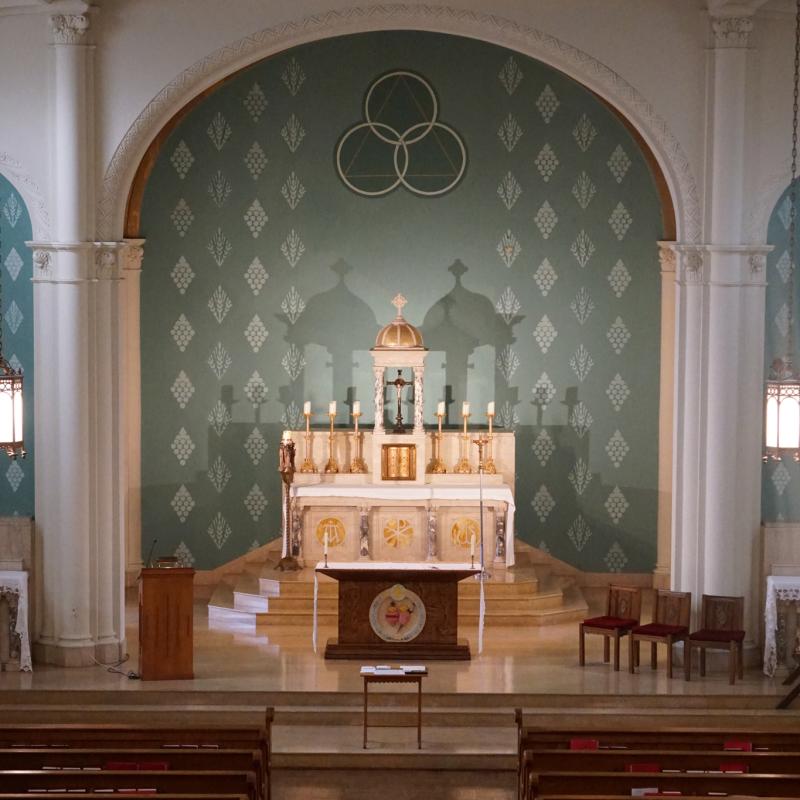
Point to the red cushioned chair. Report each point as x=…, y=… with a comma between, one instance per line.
x=721, y=620
x=623, y=609
x=670, y=624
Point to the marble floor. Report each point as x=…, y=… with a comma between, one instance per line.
x=533, y=661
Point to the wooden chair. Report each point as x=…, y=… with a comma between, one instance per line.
x=623, y=609
x=721, y=620
x=670, y=624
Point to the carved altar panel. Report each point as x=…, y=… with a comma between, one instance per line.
x=456, y=526
x=342, y=526
x=398, y=534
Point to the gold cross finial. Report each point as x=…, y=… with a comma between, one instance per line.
x=398, y=302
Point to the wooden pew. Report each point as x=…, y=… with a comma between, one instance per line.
x=187, y=760
x=179, y=737
x=168, y=782
x=105, y=796
x=773, y=763
x=592, y=784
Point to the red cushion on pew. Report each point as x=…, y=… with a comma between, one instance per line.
x=584, y=744
x=643, y=767
x=610, y=622
x=656, y=629
x=717, y=636
x=153, y=766
x=121, y=766
x=732, y=767
x=738, y=744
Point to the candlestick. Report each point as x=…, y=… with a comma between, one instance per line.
x=437, y=466
x=331, y=465
x=308, y=462
x=325, y=547
x=358, y=464
x=463, y=466
x=472, y=546
x=489, y=467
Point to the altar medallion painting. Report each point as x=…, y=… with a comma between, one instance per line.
x=397, y=614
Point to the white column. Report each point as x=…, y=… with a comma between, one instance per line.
x=663, y=570
x=378, y=373
x=719, y=342
x=79, y=509
x=419, y=401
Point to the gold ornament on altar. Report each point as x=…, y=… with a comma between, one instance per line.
x=334, y=528
x=398, y=532
x=464, y=530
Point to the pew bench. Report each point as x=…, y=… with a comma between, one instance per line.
x=167, y=782
x=592, y=784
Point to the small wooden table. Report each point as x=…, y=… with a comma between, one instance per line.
x=410, y=677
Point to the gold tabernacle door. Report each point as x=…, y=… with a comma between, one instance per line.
x=399, y=462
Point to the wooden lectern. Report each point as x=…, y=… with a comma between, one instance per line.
x=165, y=624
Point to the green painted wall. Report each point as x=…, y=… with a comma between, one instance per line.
x=16, y=262
x=780, y=481
x=535, y=282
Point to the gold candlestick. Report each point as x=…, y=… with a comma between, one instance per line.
x=463, y=467
x=308, y=463
x=489, y=467
x=357, y=464
x=437, y=466
x=331, y=465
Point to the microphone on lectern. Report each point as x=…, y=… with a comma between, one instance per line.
x=149, y=560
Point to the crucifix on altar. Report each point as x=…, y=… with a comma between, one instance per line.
x=399, y=454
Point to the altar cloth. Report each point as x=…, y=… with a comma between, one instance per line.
x=779, y=587
x=16, y=582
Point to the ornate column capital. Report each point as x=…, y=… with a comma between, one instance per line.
x=731, y=32
x=133, y=255
x=667, y=257
x=69, y=28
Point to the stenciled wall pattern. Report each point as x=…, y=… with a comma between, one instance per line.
x=16, y=260
x=535, y=282
x=780, y=480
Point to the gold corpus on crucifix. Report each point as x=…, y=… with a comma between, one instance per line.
x=399, y=384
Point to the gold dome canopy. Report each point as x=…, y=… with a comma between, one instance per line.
x=399, y=334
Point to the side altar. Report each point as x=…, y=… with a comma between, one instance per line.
x=398, y=494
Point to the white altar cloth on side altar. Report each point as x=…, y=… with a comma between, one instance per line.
x=16, y=581
x=779, y=587
x=373, y=491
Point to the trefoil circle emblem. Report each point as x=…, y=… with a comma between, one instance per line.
x=401, y=141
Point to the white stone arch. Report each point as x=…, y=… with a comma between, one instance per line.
x=507, y=33
x=29, y=191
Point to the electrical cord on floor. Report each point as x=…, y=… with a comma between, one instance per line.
x=134, y=676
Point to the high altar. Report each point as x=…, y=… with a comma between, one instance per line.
x=419, y=498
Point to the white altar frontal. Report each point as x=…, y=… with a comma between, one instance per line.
x=403, y=495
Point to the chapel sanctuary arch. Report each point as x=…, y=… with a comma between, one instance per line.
x=712, y=295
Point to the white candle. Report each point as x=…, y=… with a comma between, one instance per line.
x=356, y=407
x=307, y=407
x=465, y=409
x=325, y=544
x=490, y=408
x=440, y=408
x=287, y=436
x=472, y=546
x=332, y=407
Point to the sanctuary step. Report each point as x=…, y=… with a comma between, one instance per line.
x=526, y=594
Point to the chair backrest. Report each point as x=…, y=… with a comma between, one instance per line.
x=624, y=602
x=673, y=608
x=720, y=613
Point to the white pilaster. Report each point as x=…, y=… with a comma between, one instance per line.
x=720, y=290
x=77, y=299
